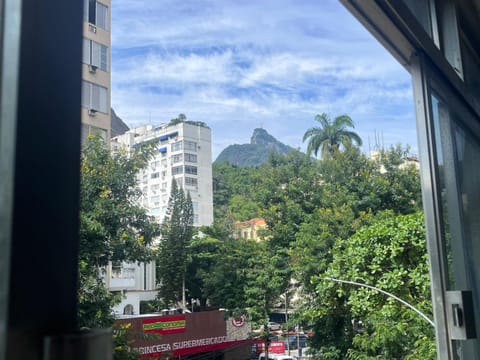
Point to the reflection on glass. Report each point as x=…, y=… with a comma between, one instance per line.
x=467, y=154
x=459, y=184
x=421, y=10
x=440, y=125
x=471, y=67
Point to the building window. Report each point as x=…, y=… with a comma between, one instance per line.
x=176, y=146
x=190, y=145
x=176, y=158
x=192, y=170
x=155, y=187
x=191, y=158
x=96, y=13
x=155, y=201
x=89, y=130
x=191, y=181
x=95, y=54
x=177, y=170
x=155, y=175
x=128, y=310
x=94, y=97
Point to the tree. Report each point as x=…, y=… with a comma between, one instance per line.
x=113, y=227
x=225, y=284
x=267, y=278
x=177, y=232
x=331, y=135
x=389, y=254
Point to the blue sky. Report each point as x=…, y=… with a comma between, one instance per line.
x=238, y=65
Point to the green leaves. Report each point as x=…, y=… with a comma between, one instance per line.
x=328, y=218
x=113, y=227
x=389, y=254
x=173, y=255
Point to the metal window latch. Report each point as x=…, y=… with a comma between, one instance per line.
x=460, y=315
x=84, y=345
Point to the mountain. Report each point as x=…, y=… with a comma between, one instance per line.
x=118, y=127
x=255, y=153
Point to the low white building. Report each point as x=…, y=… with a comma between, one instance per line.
x=184, y=153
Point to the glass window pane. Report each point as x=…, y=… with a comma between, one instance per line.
x=471, y=68
x=101, y=20
x=86, y=94
x=457, y=153
x=96, y=54
x=86, y=51
x=91, y=11
x=85, y=10
x=102, y=99
x=95, y=102
x=103, y=58
x=421, y=10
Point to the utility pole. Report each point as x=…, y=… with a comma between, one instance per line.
x=267, y=340
x=286, y=321
x=299, y=351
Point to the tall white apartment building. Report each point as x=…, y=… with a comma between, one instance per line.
x=183, y=152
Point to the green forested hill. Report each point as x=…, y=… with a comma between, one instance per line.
x=255, y=153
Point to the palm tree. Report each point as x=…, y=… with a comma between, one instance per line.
x=331, y=135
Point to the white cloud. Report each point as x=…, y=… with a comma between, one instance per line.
x=239, y=65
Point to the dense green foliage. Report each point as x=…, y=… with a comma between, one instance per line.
x=113, y=228
x=345, y=216
x=172, y=260
x=390, y=254
x=315, y=210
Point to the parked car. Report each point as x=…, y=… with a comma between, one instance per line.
x=274, y=326
x=273, y=356
x=293, y=341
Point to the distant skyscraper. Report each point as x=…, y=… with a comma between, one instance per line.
x=96, y=69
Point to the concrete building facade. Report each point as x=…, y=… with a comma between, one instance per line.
x=184, y=153
x=96, y=69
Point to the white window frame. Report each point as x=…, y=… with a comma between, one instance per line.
x=95, y=54
x=91, y=100
x=101, y=23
